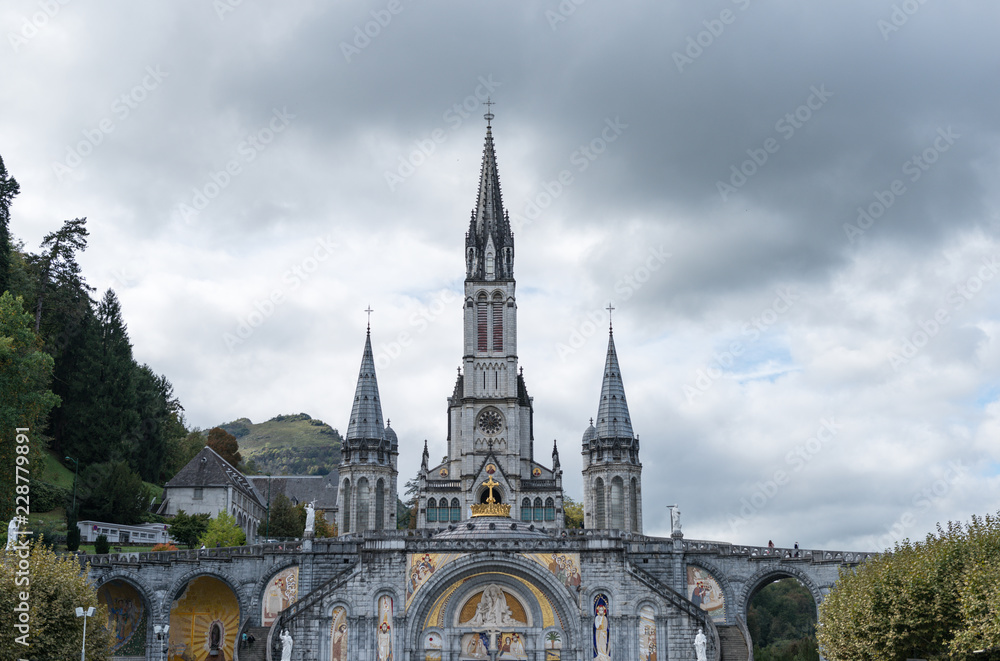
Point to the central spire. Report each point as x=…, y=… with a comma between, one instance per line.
x=489, y=243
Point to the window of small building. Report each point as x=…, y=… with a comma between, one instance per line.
x=199, y=493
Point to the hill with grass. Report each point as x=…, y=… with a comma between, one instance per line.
x=294, y=444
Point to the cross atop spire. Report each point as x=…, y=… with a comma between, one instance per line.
x=489, y=115
x=369, y=311
x=610, y=309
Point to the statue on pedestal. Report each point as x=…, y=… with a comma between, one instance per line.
x=12, y=533
x=286, y=646
x=700, y=642
x=310, y=518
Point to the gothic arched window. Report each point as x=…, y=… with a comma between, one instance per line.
x=538, y=512
x=432, y=510
x=363, y=500
x=379, y=505
x=497, y=323
x=481, y=324
x=526, y=510
x=634, y=506
x=346, y=527
x=599, y=505
x=618, y=504
x=550, y=509
x=456, y=510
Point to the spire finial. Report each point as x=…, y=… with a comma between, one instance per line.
x=489, y=115
x=369, y=311
x=610, y=309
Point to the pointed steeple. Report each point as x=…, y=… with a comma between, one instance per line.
x=613, y=419
x=489, y=243
x=555, y=456
x=366, y=413
x=425, y=459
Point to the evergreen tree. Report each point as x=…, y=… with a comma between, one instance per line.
x=25, y=398
x=8, y=190
x=57, y=268
x=120, y=496
x=285, y=519
x=158, y=412
x=188, y=528
x=115, y=389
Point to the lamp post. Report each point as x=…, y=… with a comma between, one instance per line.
x=76, y=471
x=84, y=614
x=161, y=633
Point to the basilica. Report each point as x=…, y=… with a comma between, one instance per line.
x=490, y=573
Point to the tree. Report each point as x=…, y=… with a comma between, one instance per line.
x=158, y=411
x=120, y=496
x=572, y=512
x=324, y=529
x=25, y=399
x=406, y=511
x=225, y=444
x=187, y=529
x=223, y=531
x=182, y=449
x=57, y=588
x=57, y=265
x=9, y=189
x=782, y=622
x=930, y=599
x=285, y=519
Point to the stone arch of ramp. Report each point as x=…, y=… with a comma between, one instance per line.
x=257, y=589
x=728, y=591
x=452, y=575
x=770, y=573
x=174, y=590
x=136, y=583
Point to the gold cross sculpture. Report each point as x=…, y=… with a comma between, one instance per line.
x=491, y=483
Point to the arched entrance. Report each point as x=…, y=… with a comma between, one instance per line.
x=781, y=615
x=128, y=617
x=477, y=609
x=204, y=618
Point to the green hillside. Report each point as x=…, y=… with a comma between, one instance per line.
x=287, y=444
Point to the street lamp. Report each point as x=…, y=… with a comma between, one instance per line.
x=161, y=633
x=76, y=471
x=84, y=614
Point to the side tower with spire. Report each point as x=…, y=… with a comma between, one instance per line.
x=612, y=474
x=367, y=495
x=490, y=415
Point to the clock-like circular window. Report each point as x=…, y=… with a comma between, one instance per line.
x=490, y=422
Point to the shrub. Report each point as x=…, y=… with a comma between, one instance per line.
x=102, y=545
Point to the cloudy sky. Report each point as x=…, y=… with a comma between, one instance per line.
x=792, y=207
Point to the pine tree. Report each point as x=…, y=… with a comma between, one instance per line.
x=9, y=189
x=115, y=389
x=57, y=268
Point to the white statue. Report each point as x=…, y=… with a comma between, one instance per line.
x=675, y=519
x=286, y=646
x=492, y=610
x=700, y=642
x=311, y=516
x=12, y=533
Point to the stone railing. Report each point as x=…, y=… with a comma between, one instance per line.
x=768, y=553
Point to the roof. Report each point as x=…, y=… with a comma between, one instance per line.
x=490, y=225
x=300, y=488
x=613, y=419
x=209, y=469
x=366, y=413
x=500, y=527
